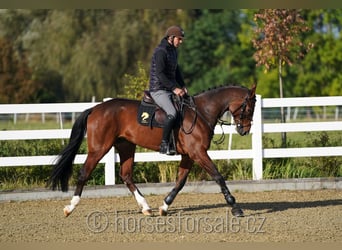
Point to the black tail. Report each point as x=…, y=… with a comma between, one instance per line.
x=62, y=170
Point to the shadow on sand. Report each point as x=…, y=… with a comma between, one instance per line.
x=262, y=207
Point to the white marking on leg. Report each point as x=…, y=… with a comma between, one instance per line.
x=75, y=200
x=141, y=200
x=73, y=203
x=165, y=207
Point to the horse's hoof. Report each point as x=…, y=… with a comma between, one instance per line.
x=66, y=212
x=237, y=212
x=147, y=212
x=162, y=212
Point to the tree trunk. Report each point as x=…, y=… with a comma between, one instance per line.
x=282, y=112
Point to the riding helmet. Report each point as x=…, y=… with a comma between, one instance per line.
x=175, y=31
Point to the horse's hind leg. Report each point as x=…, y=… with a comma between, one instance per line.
x=183, y=172
x=84, y=174
x=126, y=151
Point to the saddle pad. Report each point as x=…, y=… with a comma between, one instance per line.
x=146, y=115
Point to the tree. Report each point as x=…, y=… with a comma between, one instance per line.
x=136, y=84
x=212, y=53
x=84, y=53
x=278, y=42
x=92, y=50
x=16, y=85
x=319, y=73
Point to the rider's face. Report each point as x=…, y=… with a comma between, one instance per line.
x=177, y=41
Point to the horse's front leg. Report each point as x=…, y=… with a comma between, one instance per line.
x=236, y=210
x=205, y=162
x=183, y=172
x=126, y=151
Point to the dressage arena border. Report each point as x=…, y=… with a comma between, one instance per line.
x=190, y=187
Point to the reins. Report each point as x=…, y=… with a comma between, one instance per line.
x=189, y=102
x=223, y=136
x=222, y=122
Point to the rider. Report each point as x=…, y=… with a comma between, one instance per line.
x=166, y=80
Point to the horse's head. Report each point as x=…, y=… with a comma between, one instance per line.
x=242, y=110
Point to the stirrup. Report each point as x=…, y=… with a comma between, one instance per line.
x=172, y=144
x=165, y=148
x=171, y=150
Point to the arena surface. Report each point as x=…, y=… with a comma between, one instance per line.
x=272, y=216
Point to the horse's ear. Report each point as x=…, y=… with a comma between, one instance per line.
x=253, y=89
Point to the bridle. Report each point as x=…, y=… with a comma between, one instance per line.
x=237, y=122
x=189, y=102
x=242, y=116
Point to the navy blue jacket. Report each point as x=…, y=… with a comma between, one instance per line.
x=165, y=73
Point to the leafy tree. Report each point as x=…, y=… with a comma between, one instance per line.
x=72, y=55
x=16, y=85
x=278, y=42
x=51, y=87
x=136, y=84
x=319, y=73
x=211, y=54
x=92, y=50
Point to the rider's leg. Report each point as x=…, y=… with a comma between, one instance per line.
x=165, y=143
x=164, y=100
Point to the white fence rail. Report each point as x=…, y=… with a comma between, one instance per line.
x=256, y=153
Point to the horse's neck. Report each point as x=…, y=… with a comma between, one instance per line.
x=213, y=104
x=211, y=107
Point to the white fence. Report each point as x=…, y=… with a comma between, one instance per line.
x=256, y=153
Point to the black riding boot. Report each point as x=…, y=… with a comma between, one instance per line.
x=165, y=147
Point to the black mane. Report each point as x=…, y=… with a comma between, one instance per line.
x=218, y=87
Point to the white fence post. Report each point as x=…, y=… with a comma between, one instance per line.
x=110, y=167
x=110, y=159
x=257, y=140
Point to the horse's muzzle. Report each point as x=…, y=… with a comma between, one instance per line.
x=241, y=131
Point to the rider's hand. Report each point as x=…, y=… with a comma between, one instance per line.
x=179, y=92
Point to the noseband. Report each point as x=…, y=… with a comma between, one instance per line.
x=242, y=116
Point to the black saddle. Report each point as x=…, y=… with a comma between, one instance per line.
x=149, y=113
x=147, y=98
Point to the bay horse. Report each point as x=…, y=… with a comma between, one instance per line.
x=114, y=123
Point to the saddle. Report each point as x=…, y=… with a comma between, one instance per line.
x=149, y=113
